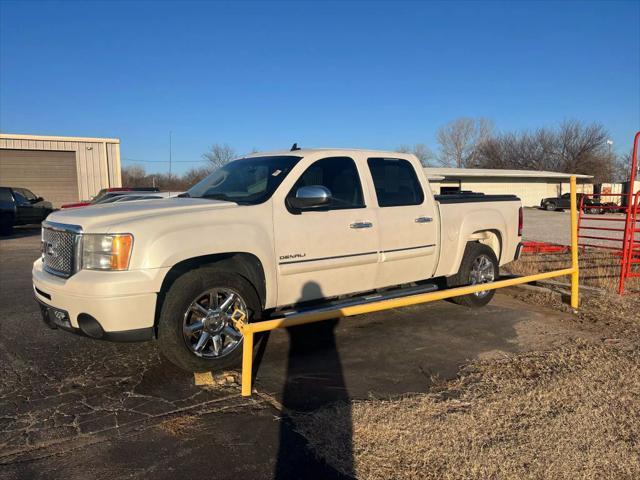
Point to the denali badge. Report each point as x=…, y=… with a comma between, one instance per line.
x=292, y=256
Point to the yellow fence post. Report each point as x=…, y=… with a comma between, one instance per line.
x=575, y=275
x=247, y=361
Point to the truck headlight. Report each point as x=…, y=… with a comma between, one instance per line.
x=106, y=252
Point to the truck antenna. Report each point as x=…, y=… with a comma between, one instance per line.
x=294, y=147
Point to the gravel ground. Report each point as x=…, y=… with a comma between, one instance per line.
x=554, y=227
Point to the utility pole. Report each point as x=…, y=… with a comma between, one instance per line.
x=169, y=152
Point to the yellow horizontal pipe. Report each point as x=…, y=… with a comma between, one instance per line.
x=397, y=302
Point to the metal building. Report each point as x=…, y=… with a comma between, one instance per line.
x=60, y=169
x=530, y=186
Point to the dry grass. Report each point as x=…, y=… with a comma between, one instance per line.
x=571, y=413
x=598, y=268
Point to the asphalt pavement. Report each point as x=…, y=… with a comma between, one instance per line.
x=555, y=227
x=72, y=407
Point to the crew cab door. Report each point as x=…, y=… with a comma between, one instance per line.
x=328, y=251
x=407, y=222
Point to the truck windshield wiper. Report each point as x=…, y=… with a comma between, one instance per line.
x=184, y=195
x=218, y=196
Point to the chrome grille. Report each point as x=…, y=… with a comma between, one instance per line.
x=60, y=248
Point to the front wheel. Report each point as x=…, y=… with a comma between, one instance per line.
x=550, y=206
x=479, y=265
x=196, y=331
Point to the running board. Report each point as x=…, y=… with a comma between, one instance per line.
x=359, y=300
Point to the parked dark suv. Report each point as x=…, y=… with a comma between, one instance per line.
x=19, y=206
x=564, y=201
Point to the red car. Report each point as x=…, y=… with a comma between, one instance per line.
x=106, y=191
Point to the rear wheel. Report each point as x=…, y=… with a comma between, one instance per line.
x=479, y=265
x=196, y=331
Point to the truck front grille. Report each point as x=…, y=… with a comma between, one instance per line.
x=60, y=244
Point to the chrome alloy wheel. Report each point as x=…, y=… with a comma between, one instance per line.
x=207, y=328
x=482, y=271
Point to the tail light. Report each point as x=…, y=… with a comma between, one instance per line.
x=520, y=222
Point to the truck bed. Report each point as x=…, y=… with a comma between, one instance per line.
x=474, y=197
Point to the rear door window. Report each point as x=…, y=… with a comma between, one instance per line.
x=395, y=182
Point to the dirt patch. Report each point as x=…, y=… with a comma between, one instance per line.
x=569, y=413
x=179, y=426
x=609, y=316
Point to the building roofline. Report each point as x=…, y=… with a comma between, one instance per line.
x=16, y=136
x=500, y=173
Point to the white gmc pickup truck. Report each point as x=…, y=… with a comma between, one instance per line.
x=265, y=235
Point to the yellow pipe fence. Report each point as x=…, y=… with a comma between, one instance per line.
x=250, y=329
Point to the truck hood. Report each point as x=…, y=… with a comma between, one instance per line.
x=98, y=218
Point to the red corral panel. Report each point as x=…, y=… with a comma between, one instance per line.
x=620, y=233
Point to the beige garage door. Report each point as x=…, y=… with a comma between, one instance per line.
x=51, y=175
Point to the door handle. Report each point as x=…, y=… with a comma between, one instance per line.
x=424, y=220
x=361, y=225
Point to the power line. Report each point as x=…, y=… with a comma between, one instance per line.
x=126, y=159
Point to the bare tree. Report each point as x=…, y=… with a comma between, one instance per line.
x=420, y=150
x=573, y=147
x=194, y=175
x=459, y=141
x=219, y=155
x=134, y=176
x=621, y=170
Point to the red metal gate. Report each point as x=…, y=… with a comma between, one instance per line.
x=630, y=252
x=619, y=232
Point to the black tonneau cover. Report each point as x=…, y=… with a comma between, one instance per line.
x=472, y=197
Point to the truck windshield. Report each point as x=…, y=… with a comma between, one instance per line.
x=247, y=181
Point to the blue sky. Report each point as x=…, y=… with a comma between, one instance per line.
x=265, y=74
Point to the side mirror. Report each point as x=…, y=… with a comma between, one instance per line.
x=310, y=197
x=39, y=199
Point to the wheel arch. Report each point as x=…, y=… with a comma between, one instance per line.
x=490, y=237
x=247, y=265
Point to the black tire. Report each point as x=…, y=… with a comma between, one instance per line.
x=472, y=253
x=179, y=297
x=550, y=207
x=6, y=225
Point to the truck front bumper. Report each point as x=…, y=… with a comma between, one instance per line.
x=118, y=306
